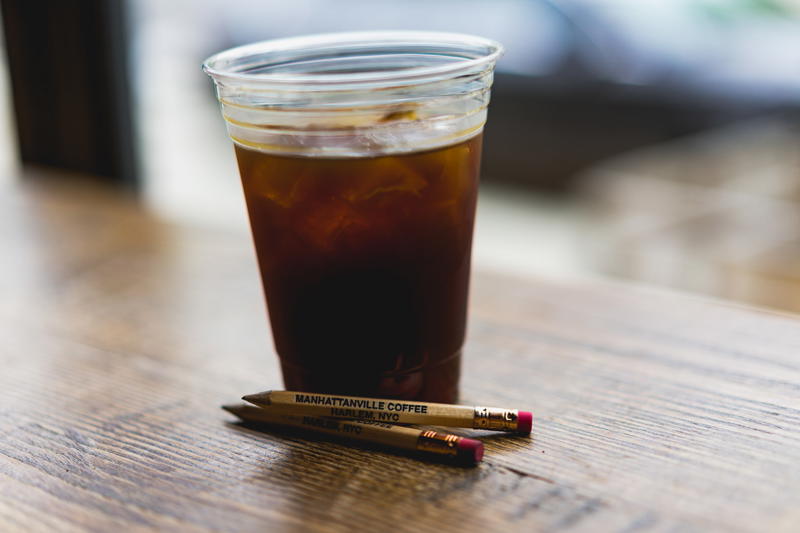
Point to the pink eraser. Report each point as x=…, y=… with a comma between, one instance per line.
x=524, y=422
x=470, y=450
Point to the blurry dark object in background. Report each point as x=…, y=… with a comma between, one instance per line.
x=545, y=134
x=634, y=74
x=68, y=69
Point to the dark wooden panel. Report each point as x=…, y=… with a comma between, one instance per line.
x=69, y=79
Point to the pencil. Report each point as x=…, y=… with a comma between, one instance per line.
x=394, y=411
x=461, y=449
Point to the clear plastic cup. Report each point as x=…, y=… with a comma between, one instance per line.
x=359, y=156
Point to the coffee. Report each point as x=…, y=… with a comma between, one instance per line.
x=365, y=265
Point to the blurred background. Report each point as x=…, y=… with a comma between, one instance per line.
x=649, y=140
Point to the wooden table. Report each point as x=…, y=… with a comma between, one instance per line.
x=122, y=335
x=716, y=213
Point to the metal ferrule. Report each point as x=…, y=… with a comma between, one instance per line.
x=495, y=419
x=430, y=441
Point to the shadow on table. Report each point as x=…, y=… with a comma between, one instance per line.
x=252, y=429
x=310, y=483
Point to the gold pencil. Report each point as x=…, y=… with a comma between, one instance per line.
x=394, y=411
x=404, y=438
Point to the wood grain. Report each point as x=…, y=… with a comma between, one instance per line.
x=122, y=335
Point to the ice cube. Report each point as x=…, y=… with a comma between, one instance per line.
x=322, y=223
x=381, y=176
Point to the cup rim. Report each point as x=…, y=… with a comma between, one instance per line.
x=471, y=54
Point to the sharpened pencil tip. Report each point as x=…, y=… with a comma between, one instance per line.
x=238, y=410
x=260, y=398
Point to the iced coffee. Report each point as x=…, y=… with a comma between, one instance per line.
x=361, y=195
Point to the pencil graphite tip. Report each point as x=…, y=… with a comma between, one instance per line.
x=237, y=410
x=260, y=398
